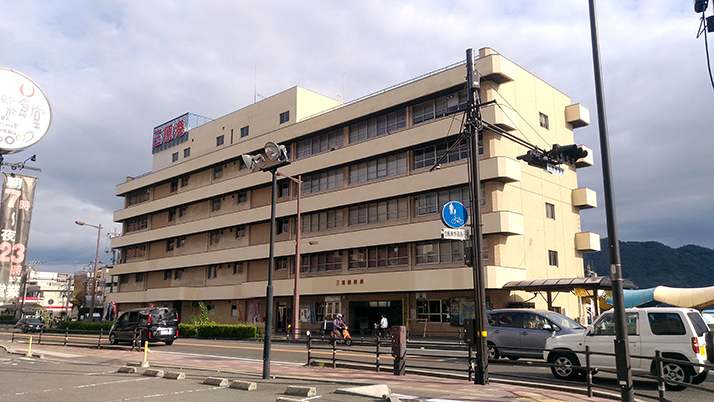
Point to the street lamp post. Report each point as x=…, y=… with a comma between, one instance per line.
x=298, y=232
x=277, y=157
x=96, y=264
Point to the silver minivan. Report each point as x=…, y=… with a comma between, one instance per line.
x=516, y=333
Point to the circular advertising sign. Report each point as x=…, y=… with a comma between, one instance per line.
x=25, y=112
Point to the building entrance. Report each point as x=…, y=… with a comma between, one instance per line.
x=364, y=314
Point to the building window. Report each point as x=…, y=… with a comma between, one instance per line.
x=379, y=125
x=439, y=252
x=281, y=264
x=242, y=197
x=435, y=108
x=238, y=268
x=320, y=143
x=552, y=258
x=378, y=212
x=178, y=272
x=433, y=310
x=184, y=181
x=134, y=224
x=217, y=172
x=183, y=210
x=549, y=210
x=284, y=189
x=240, y=232
x=181, y=242
x=321, y=262
x=212, y=271
x=170, y=244
x=378, y=168
x=124, y=278
x=322, y=181
x=216, y=204
x=244, y=132
x=214, y=237
x=138, y=196
x=186, y=152
x=379, y=257
x=321, y=221
x=174, y=186
x=429, y=155
x=219, y=140
x=134, y=252
x=174, y=157
x=433, y=202
x=172, y=215
x=543, y=120
x=139, y=277
x=284, y=117
x=282, y=226
x=167, y=275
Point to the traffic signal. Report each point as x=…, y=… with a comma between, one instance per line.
x=700, y=6
x=536, y=158
x=566, y=154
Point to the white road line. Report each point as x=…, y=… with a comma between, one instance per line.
x=229, y=358
x=78, y=386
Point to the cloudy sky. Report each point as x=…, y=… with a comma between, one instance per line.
x=115, y=69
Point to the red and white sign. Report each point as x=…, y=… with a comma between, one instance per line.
x=25, y=112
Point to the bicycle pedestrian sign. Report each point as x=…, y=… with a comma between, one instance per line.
x=454, y=214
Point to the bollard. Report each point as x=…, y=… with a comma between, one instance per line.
x=66, y=336
x=660, y=379
x=39, y=340
x=145, y=362
x=29, y=348
x=99, y=342
x=379, y=340
x=589, y=372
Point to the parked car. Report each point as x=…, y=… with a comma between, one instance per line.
x=516, y=333
x=30, y=324
x=708, y=316
x=149, y=324
x=678, y=333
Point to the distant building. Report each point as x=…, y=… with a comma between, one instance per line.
x=196, y=229
x=49, y=290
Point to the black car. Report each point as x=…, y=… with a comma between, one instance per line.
x=145, y=324
x=30, y=324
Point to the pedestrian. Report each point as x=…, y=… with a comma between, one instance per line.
x=383, y=323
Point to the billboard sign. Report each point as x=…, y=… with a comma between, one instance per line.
x=175, y=131
x=18, y=193
x=25, y=113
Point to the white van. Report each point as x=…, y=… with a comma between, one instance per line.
x=678, y=333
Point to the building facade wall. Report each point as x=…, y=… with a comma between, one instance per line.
x=371, y=205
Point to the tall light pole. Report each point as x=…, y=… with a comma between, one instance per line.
x=622, y=351
x=298, y=232
x=96, y=264
x=277, y=157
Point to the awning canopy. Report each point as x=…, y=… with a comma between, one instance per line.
x=566, y=284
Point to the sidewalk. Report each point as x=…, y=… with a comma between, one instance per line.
x=409, y=387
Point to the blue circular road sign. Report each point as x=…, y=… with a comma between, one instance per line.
x=454, y=214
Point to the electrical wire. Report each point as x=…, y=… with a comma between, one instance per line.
x=703, y=30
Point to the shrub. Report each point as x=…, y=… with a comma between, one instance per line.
x=187, y=330
x=217, y=331
x=87, y=326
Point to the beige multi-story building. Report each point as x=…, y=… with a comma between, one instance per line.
x=196, y=229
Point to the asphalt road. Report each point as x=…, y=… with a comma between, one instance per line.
x=454, y=362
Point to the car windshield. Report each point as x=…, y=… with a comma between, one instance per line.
x=563, y=321
x=709, y=319
x=33, y=321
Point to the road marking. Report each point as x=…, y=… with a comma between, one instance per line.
x=228, y=358
x=189, y=391
x=98, y=384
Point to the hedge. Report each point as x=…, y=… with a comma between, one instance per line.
x=87, y=326
x=217, y=331
x=7, y=319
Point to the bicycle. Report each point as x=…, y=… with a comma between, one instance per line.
x=380, y=333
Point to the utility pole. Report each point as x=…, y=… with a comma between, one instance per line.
x=473, y=126
x=622, y=351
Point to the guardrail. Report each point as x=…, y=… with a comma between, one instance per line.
x=420, y=355
x=65, y=338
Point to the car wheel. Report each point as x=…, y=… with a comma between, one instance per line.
x=513, y=358
x=699, y=378
x=169, y=342
x=493, y=352
x=113, y=339
x=564, y=366
x=676, y=376
x=348, y=342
